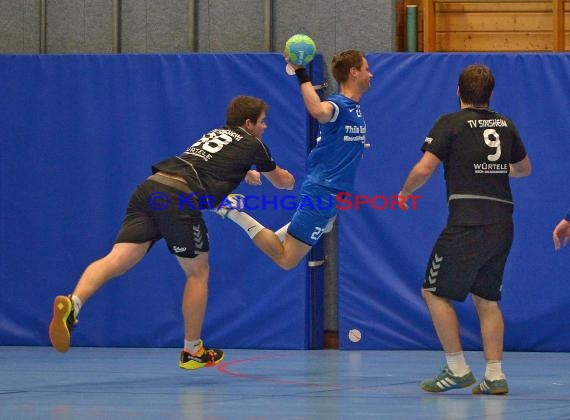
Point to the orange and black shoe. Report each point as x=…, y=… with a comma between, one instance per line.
x=203, y=358
x=62, y=323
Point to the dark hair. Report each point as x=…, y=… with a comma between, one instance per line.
x=343, y=62
x=476, y=84
x=243, y=108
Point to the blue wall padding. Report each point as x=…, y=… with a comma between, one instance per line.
x=383, y=254
x=78, y=133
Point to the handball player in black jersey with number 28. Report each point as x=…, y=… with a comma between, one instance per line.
x=205, y=173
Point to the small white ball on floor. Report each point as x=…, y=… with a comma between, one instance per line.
x=354, y=335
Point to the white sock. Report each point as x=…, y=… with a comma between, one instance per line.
x=251, y=226
x=494, y=370
x=330, y=225
x=77, y=304
x=192, y=346
x=282, y=232
x=456, y=363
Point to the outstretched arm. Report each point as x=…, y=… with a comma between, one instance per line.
x=420, y=173
x=280, y=178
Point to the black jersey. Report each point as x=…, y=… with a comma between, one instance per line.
x=216, y=164
x=476, y=147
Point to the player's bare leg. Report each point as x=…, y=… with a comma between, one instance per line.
x=195, y=296
x=194, y=304
x=286, y=254
x=122, y=257
x=444, y=321
x=456, y=373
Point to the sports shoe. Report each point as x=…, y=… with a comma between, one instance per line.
x=497, y=387
x=445, y=381
x=62, y=323
x=207, y=358
x=230, y=202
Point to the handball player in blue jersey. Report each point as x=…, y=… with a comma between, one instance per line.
x=332, y=163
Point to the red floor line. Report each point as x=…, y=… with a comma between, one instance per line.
x=223, y=368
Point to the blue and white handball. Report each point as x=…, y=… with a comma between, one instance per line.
x=300, y=49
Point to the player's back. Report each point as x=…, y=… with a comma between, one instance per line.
x=476, y=146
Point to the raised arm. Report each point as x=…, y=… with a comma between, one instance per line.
x=322, y=111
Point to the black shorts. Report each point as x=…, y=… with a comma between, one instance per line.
x=469, y=259
x=154, y=212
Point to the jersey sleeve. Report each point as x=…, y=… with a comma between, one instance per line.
x=518, y=151
x=336, y=111
x=263, y=160
x=438, y=139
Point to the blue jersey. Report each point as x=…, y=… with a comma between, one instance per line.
x=333, y=161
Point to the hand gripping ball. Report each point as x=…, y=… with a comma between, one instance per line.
x=300, y=49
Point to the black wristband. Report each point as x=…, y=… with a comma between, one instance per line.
x=302, y=75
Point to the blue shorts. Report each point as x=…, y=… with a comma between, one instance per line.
x=317, y=206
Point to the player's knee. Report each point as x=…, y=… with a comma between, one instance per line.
x=483, y=303
x=117, y=264
x=118, y=267
x=427, y=295
x=194, y=280
x=286, y=264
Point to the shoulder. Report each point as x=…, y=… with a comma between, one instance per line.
x=240, y=134
x=509, y=121
x=449, y=120
x=335, y=101
x=453, y=116
x=343, y=106
x=340, y=100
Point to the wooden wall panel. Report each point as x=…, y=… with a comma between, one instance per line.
x=501, y=26
x=490, y=42
x=493, y=22
x=468, y=6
